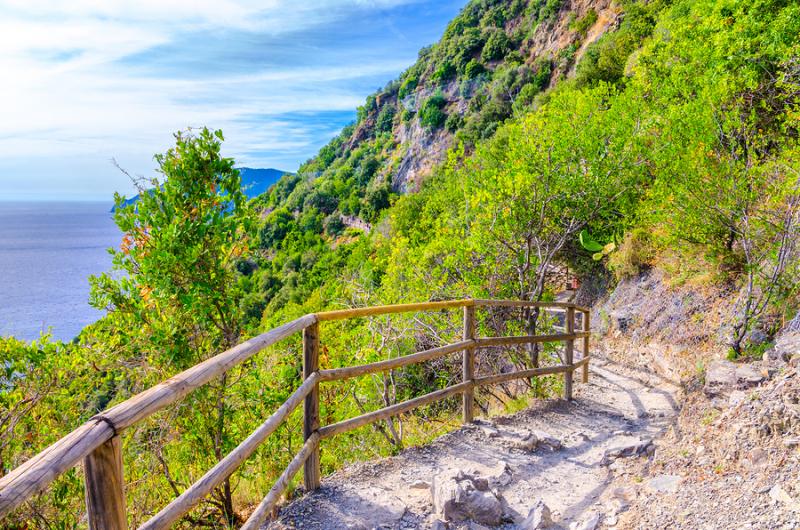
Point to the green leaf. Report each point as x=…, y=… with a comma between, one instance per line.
x=588, y=242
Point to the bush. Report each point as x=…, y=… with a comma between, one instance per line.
x=366, y=109
x=376, y=200
x=334, y=225
x=582, y=25
x=496, y=46
x=385, y=119
x=366, y=170
x=473, y=69
x=525, y=97
x=444, y=72
x=550, y=10
x=431, y=114
x=407, y=87
x=321, y=201
x=454, y=122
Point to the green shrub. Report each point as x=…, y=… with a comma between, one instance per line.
x=454, y=122
x=444, y=72
x=431, y=114
x=407, y=86
x=385, y=119
x=334, y=225
x=377, y=199
x=497, y=45
x=473, y=69
x=550, y=10
x=582, y=25
x=366, y=109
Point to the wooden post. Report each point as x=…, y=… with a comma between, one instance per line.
x=468, y=365
x=586, y=328
x=568, y=352
x=104, y=487
x=311, y=471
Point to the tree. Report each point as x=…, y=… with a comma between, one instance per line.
x=174, y=300
x=539, y=182
x=724, y=191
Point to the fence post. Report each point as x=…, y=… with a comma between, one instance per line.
x=105, y=487
x=468, y=365
x=311, y=471
x=586, y=328
x=568, y=353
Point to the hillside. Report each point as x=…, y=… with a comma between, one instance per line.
x=646, y=155
x=495, y=61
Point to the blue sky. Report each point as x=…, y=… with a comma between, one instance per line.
x=86, y=81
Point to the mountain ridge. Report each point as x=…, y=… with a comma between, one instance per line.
x=255, y=182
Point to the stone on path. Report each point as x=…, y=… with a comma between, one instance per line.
x=664, y=483
x=460, y=497
x=538, y=517
x=587, y=522
x=627, y=449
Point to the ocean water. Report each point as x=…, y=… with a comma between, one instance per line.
x=48, y=250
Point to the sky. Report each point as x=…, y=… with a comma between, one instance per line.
x=86, y=82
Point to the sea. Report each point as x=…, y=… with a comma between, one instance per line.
x=48, y=250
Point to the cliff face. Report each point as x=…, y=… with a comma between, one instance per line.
x=551, y=49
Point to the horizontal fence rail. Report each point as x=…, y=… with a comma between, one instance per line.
x=97, y=442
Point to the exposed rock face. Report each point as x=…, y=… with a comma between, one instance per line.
x=670, y=329
x=725, y=376
x=787, y=344
x=460, y=497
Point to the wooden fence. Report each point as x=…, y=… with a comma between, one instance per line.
x=97, y=442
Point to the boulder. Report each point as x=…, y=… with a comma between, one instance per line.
x=438, y=524
x=460, y=497
x=546, y=441
x=748, y=375
x=778, y=494
x=723, y=377
x=538, y=517
x=736, y=397
x=720, y=376
x=757, y=337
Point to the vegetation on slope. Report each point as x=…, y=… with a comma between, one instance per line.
x=681, y=151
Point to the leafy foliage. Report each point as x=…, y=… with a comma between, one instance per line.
x=665, y=143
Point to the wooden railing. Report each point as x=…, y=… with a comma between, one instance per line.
x=97, y=442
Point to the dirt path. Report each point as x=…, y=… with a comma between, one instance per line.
x=620, y=409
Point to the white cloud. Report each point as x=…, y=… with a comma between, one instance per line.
x=66, y=94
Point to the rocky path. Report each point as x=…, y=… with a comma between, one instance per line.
x=549, y=461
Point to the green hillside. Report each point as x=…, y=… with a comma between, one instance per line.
x=535, y=137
